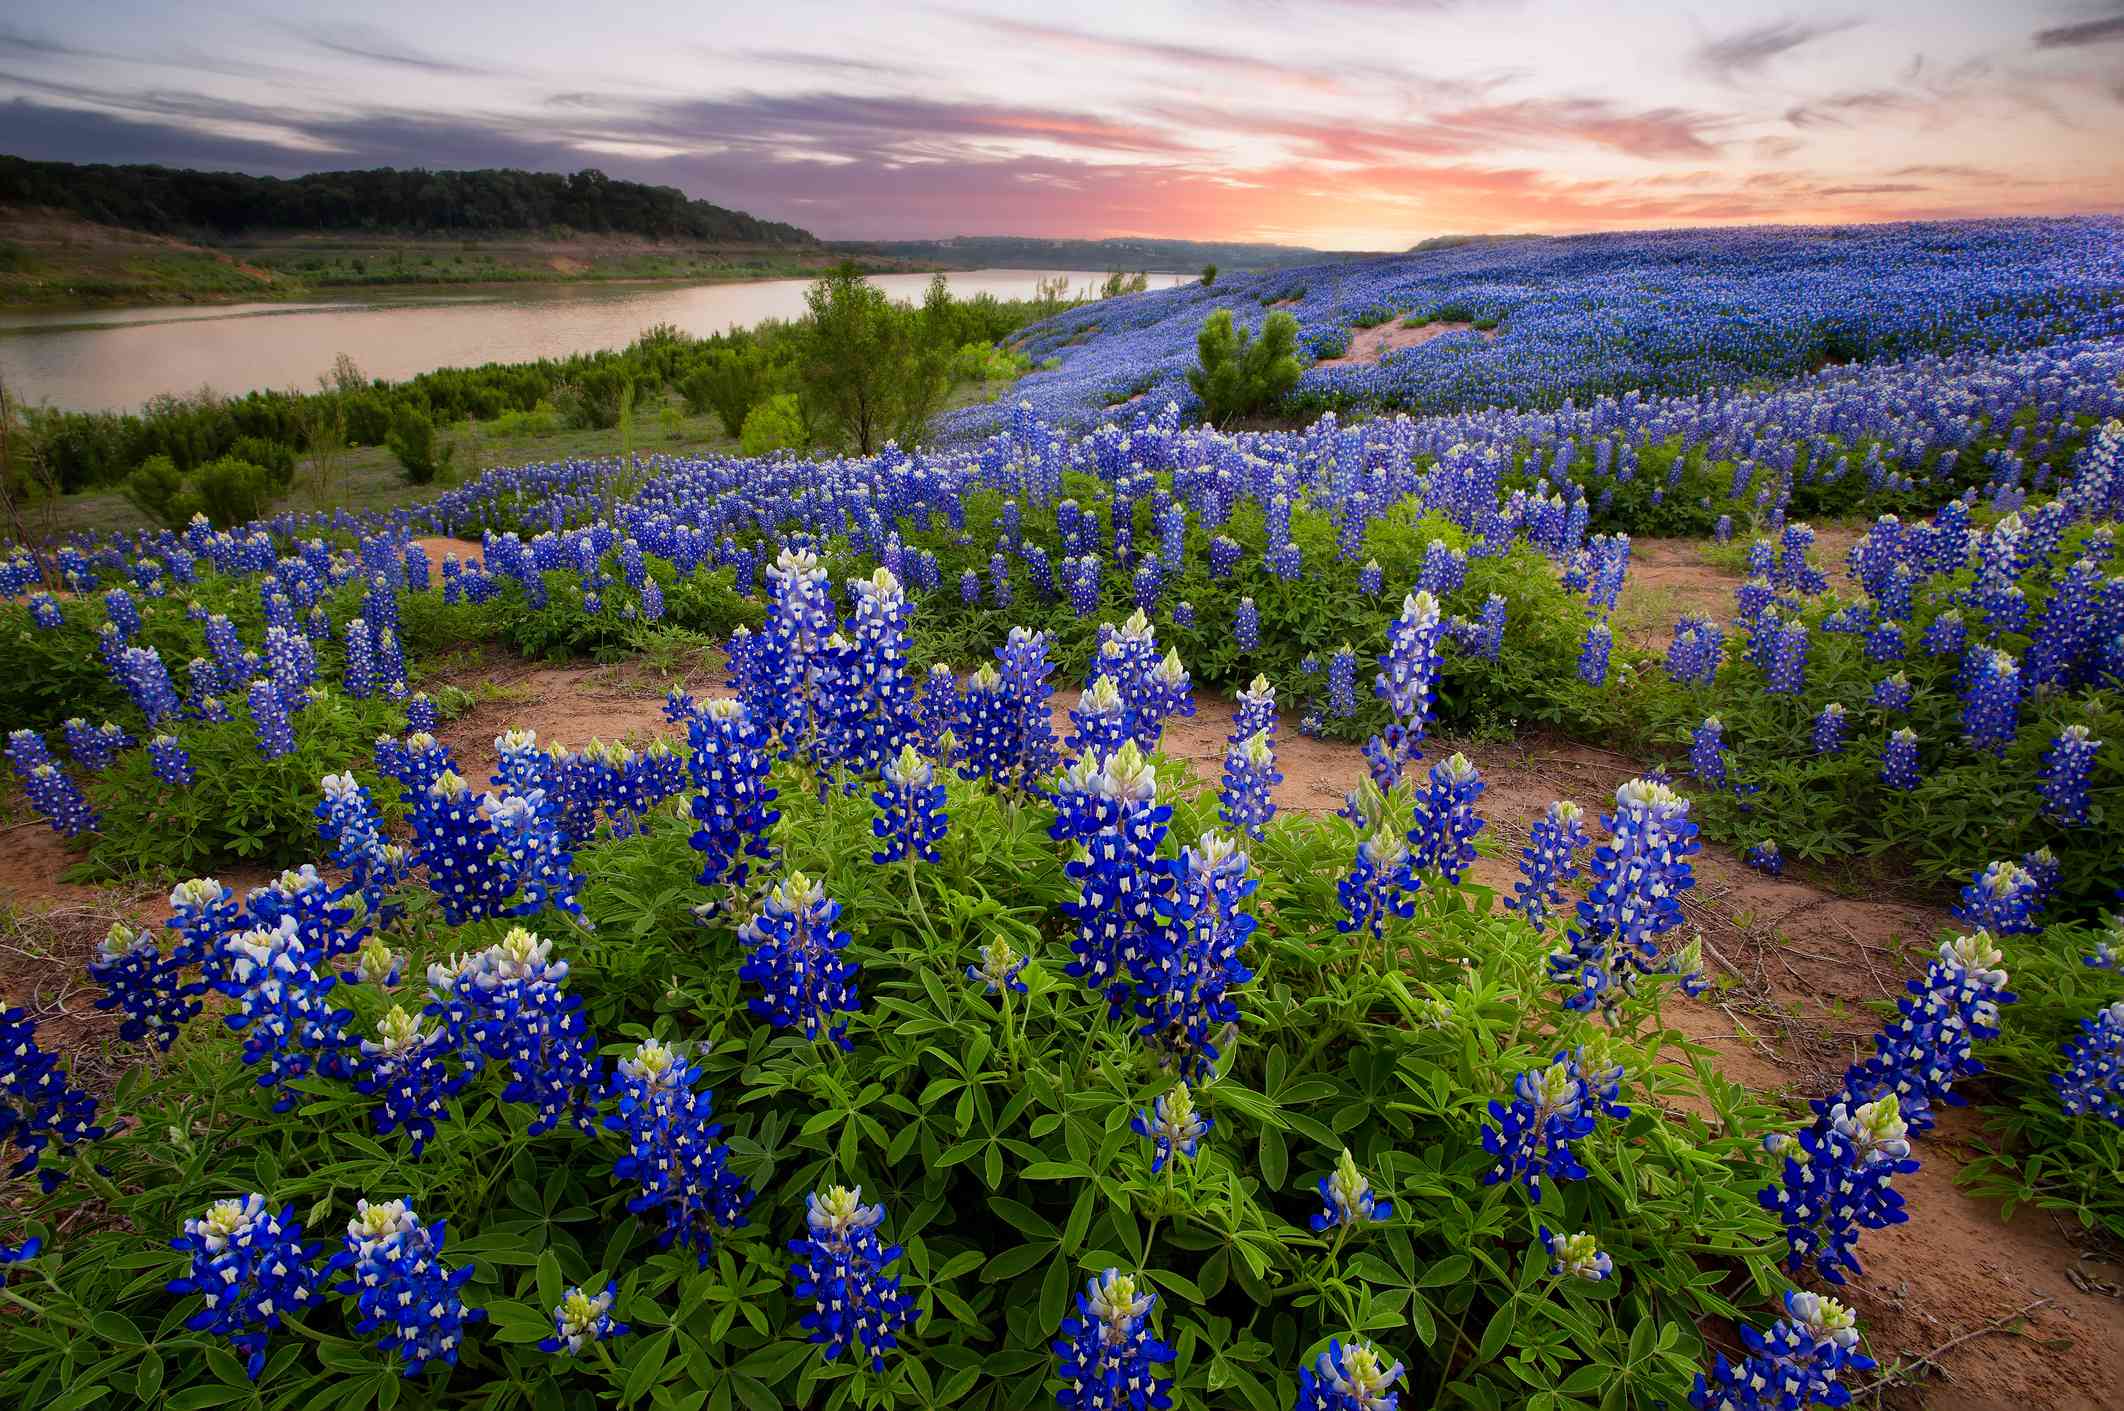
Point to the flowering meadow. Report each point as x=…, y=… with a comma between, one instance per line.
x=894, y=1029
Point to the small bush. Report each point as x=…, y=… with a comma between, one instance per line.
x=776, y=424
x=1239, y=374
x=154, y=488
x=276, y=459
x=421, y=457
x=228, y=492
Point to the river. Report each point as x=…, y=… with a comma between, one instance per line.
x=104, y=359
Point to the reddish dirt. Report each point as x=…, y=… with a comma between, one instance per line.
x=1369, y=345
x=1798, y=961
x=467, y=550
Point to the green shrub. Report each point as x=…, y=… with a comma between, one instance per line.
x=276, y=459
x=421, y=457
x=228, y=491
x=1209, y=276
x=241, y=809
x=154, y=488
x=1238, y=374
x=776, y=424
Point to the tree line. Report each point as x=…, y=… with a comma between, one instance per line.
x=170, y=201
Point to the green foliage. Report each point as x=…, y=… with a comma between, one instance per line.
x=997, y=1138
x=776, y=424
x=1209, y=276
x=227, y=491
x=1237, y=374
x=867, y=375
x=276, y=458
x=154, y=488
x=421, y=457
x=1119, y=282
x=730, y=381
x=2033, y=1152
x=242, y=809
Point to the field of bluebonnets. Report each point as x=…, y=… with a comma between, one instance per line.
x=882, y=1035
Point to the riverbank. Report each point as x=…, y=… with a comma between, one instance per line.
x=51, y=261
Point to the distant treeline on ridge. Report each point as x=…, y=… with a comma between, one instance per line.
x=168, y=201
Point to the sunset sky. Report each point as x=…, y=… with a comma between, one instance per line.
x=1350, y=124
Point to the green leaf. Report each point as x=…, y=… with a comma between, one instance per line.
x=549, y=1280
x=1275, y=1158
x=648, y=1363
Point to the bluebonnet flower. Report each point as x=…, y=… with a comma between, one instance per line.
x=1183, y=613
x=95, y=747
x=1250, y=773
x=269, y=719
x=1099, y=720
x=731, y=809
x=2092, y=1083
x=1707, y=752
x=672, y=1152
x=281, y=986
x=583, y=1319
x=1371, y=579
x=1765, y=857
x=2002, y=898
x=349, y=823
x=23, y=1253
x=1408, y=675
x=1224, y=552
x=1829, y=729
x=123, y=612
x=391, y=1266
x=1173, y=1127
x=171, y=762
x=1838, y=1174
x=1899, y=760
x=407, y=1066
x=1110, y=807
x=420, y=713
x=1945, y=636
x=1796, y=1364
x=1186, y=962
x=1000, y=967
x=147, y=683
x=1350, y=1376
x=1107, y=1351
x=1593, y=654
x=1884, y=642
x=1030, y=750
x=39, y=1108
x=1443, y=838
x=1347, y=1199
x=1635, y=897
x=795, y=955
x=508, y=1004
x=1549, y=862
x=1246, y=626
x=45, y=612
x=1551, y=1108
x=250, y=1267
x=358, y=678
x=2043, y=866
x=149, y=987
x=1991, y=701
x=1787, y=672
x=1698, y=647
x=1253, y=711
x=2066, y=765
x=857, y=1307
x=487, y=855
x=59, y=800
x=911, y=818
x=1342, y=681
x=1577, y=1256
x=1382, y=879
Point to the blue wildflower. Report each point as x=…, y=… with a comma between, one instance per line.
x=2092, y=1083
x=857, y=1307
x=795, y=955
x=1107, y=1351
x=911, y=818
x=1244, y=802
x=1348, y=1200
x=390, y=1264
x=1350, y=1376
x=249, y=1267
x=582, y=1319
x=1549, y=862
x=673, y=1154
x=1899, y=760
x=1173, y=1127
x=2066, y=766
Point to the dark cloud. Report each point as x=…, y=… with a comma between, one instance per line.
x=1750, y=50
x=373, y=45
x=1839, y=109
x=1473, y=129
x=2073, y=36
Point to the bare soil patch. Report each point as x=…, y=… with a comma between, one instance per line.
x=1369, y=345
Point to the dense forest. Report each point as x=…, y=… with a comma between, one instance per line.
x=168, y=201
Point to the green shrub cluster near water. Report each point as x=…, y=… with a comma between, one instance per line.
x=913, y=356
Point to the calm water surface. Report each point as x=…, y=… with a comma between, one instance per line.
x=118, y=358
